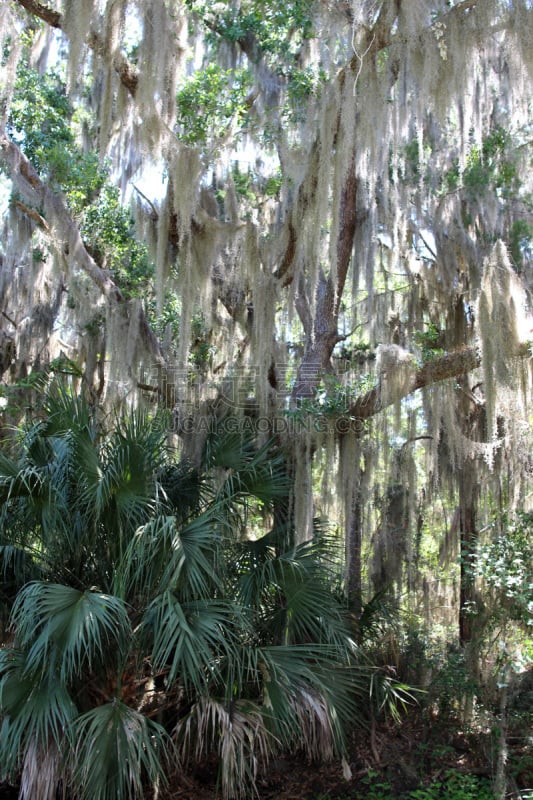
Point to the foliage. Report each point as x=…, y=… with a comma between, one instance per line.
x=490, y=166
x=520, y=242
x=453, y=785
x=107, y=228
x=278, y=29
x=505, y=566
x=332, y=398
x=493, y=168
x=209, y=101
x=276, y=32
x=40, y=122
x=452, y=686
x=202, y=350
x=430, y=342
x=301, y=86
x=124, y=570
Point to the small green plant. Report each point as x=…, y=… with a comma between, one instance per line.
x=244, y=184
x=451, y=685
x=202, y=350
x=39, y=256
x=520, y=242
x=301, y=85
x=273, y=184
x=430, y=342
x=504, y=565
x=455, y=786
x=452, y=786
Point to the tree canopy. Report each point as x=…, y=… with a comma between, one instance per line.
x=307, y=222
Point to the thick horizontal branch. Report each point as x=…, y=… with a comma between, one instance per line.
x=48, y=15
x=30, y=212
x=49, y=210
x=125, y=71
x=450, y=365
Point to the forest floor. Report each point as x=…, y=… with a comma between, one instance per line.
x=388, y=763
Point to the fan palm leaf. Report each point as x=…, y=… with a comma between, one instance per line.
x=42, y=771
x=291, y=594
x=193, y=565
x=183, y=489
x=190, y=638
x=236, y=732
x=303, y=679
x=116, y=750
x=36, y=708
x=147, y=557
x=67, y=629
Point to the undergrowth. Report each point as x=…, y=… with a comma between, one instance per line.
x=452, y=785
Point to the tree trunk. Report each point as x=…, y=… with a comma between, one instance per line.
x=467, y=533
x=354, y=543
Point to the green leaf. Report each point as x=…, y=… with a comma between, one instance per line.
x=190, y=638
x=35, y=708
x=67, y=629
x=116, y=750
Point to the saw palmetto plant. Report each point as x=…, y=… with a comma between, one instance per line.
x=142, y=622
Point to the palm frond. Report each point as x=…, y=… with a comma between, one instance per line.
x=36, y=708
x=148, y=556
x=66, y=411
x=389, y=695
x=237, y=733
x=312, y=675
x=122, y=495
x=190, y=638
x=183, y=488
x=250, y=473
x=262, y=476
x=193, y=564
x=41, y=772
x=116, y=749
x=119, y=476
x=316, y=724
x=292, y=594
x=17, y=566
x=27, y=481
x=228, y=450
x=379, y=615
x=67, y=628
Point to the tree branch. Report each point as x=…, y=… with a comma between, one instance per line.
x=379, y=36
x=126, y=72
x=30, y=212
x=48, y=15
x=55, y=214
x=450, y=365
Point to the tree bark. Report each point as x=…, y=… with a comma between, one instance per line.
x=353, y=548
x=324, y=334
x=54, y=216
x=126, y=72
x=468, y=537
